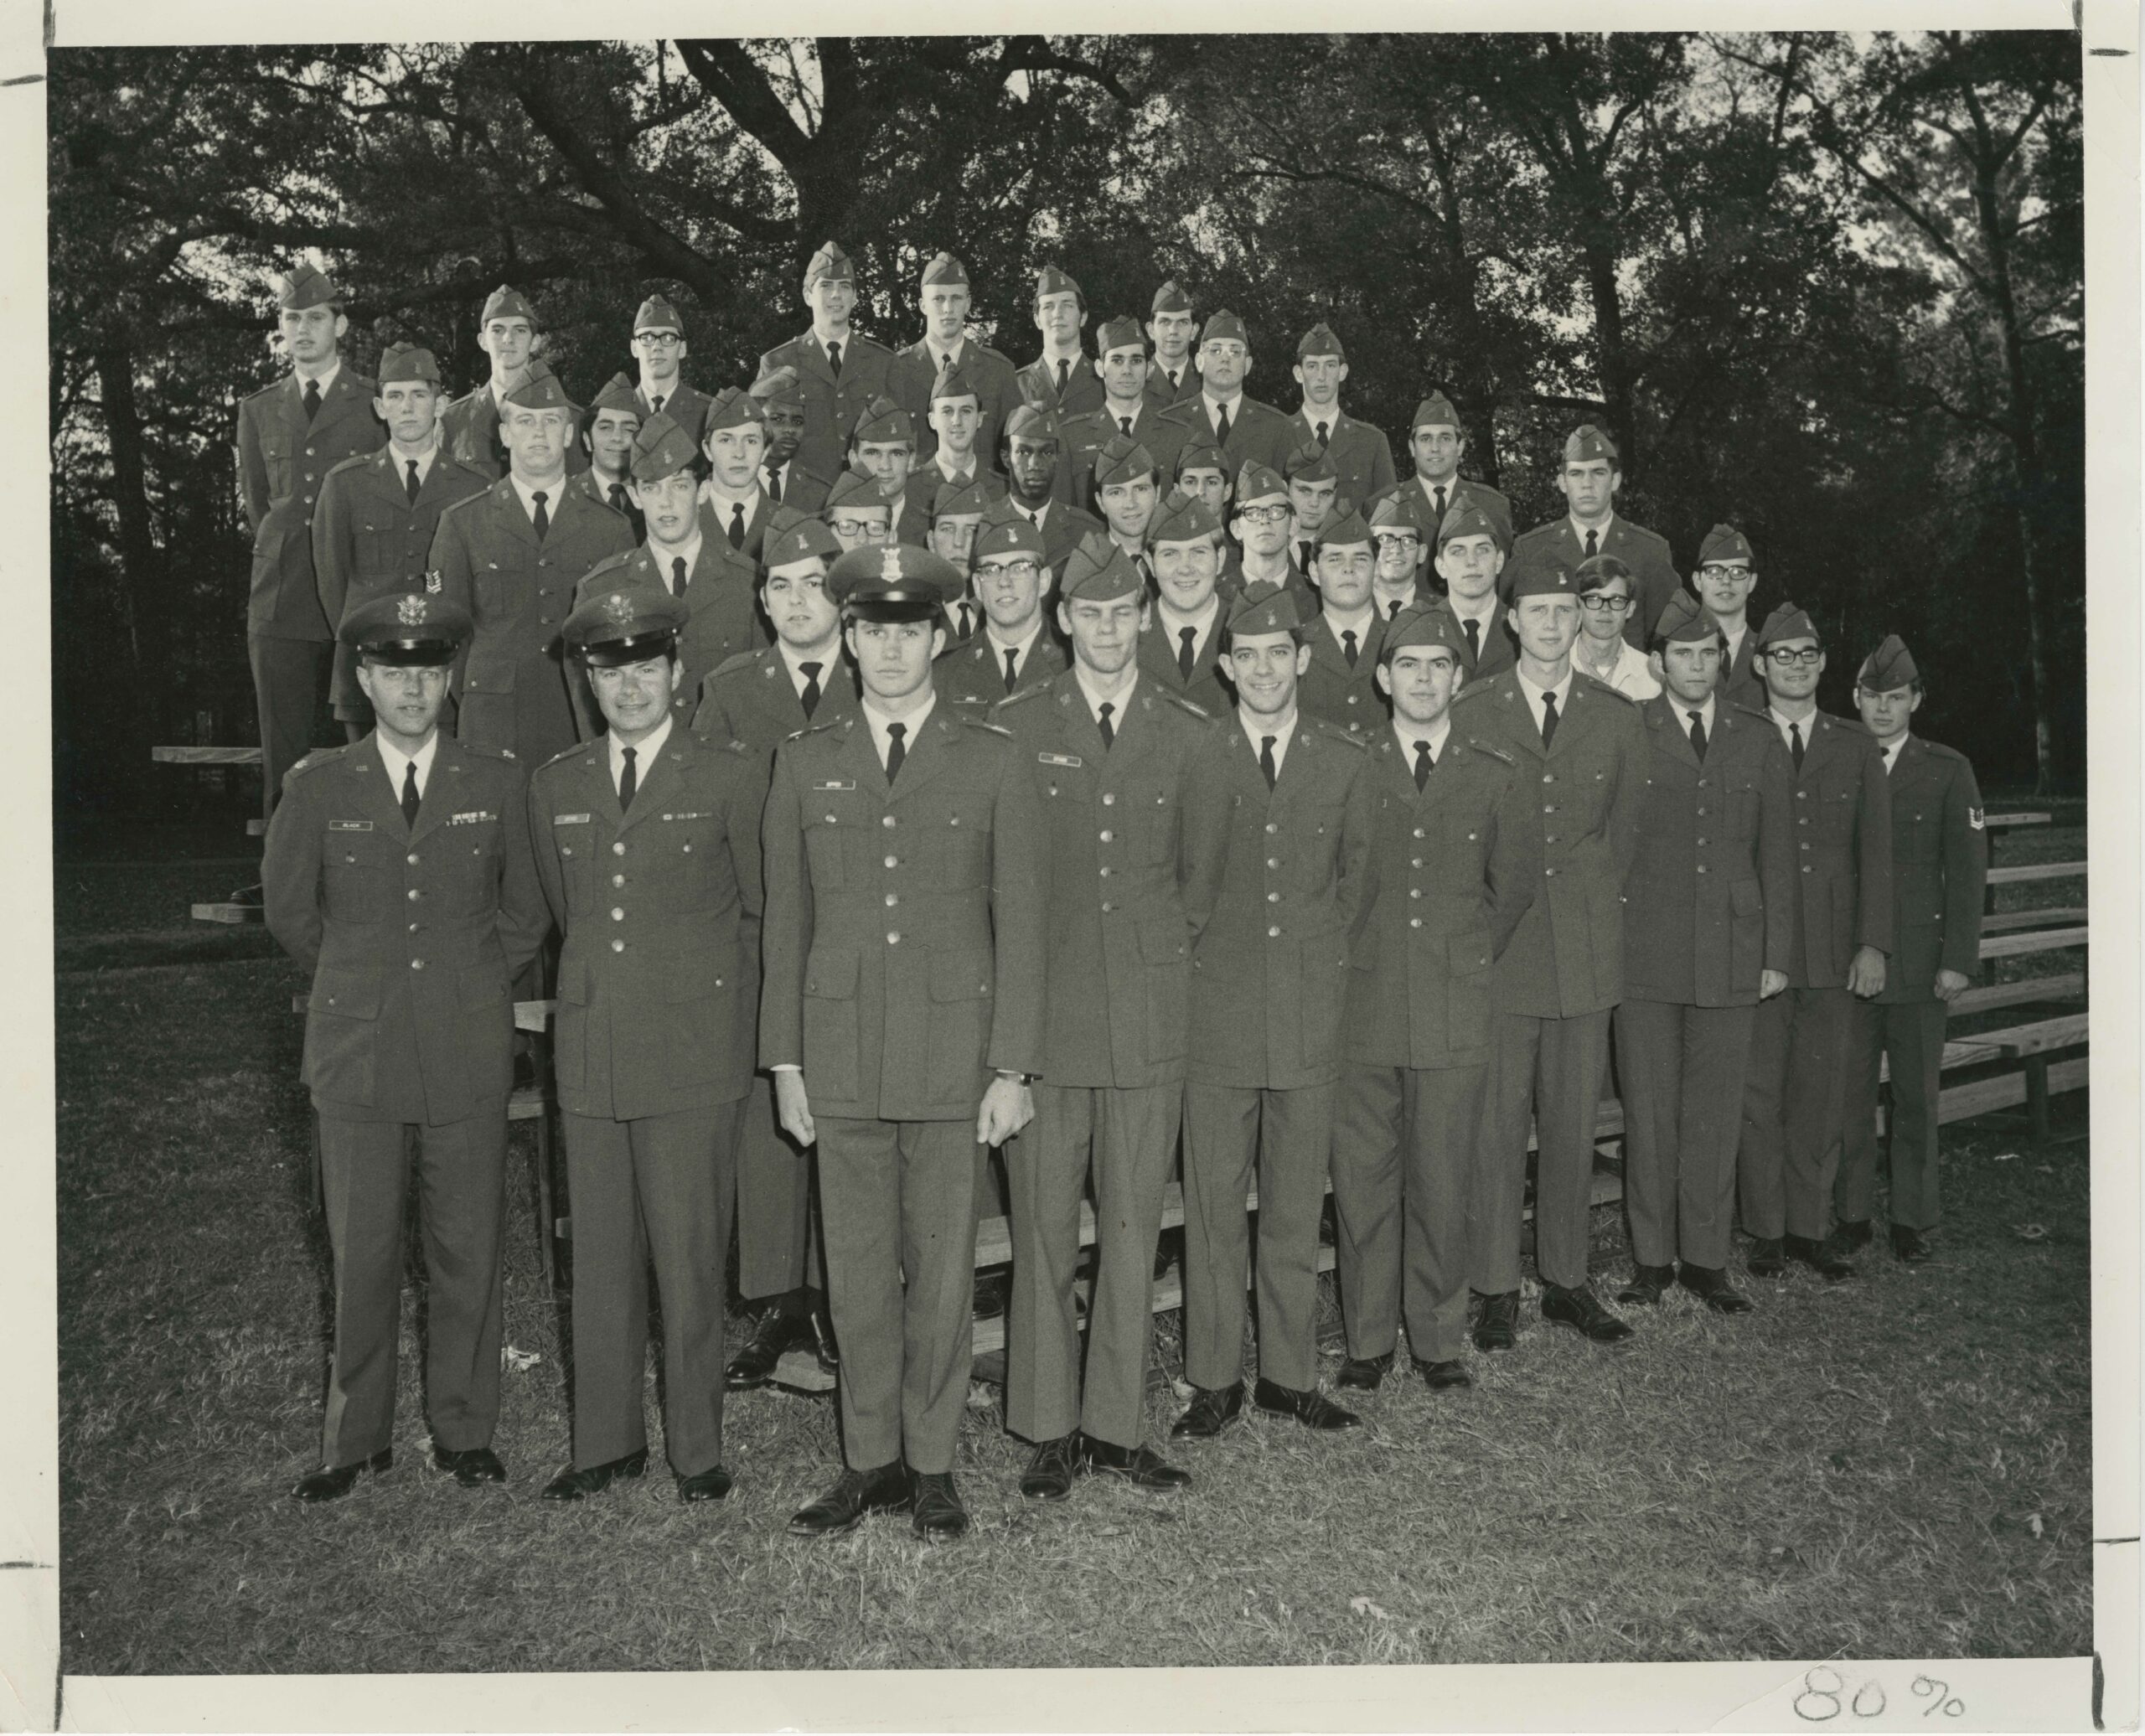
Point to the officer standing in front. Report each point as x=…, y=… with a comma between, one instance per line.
x=648, y=843
x=1939, y=870
x=902, y=1021
x=409, y=1027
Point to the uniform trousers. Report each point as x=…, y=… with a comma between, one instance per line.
x=461, y=1176
x=654, y=1188
x=1682, y=1071
x=1287, y=1137
x=1551, y=1069
x=1912, y=1033
x=1402, y=1148
x=897, y=1202
x=1791, y=1101
x=290, y=679
x=1127, y=1139
x=777, y=1251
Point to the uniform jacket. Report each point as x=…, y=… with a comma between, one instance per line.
x=1940, y=869
x=1740, y=683
x=1422, y=594
x=1567, y=957
x=684, y=405
x=412, y=934
x=470, y=427
x=1330, y=689
x=1708, y=902
x=1232, y=583
x=588, y=483
x=1256, y=431
x=1064, y=528
x=714, y=512
x=1161, y=391
x=751, y=699
x=283, y=462
x=972, y=674
x=1361, y=454
x=1500, y=650
x=804, y=489
x=1158, y=654
x=1276, y=886
x=725, y=612
x=1118, y=943
x=513, y=690
x=832, y=402
x=1036, y=382
x=660, y=906
x=905, y=925
x=1464, y=488
x=1080, y=437
x=1454, y=866
x=1653, y=574
x=1842, y=852
x=912, y=373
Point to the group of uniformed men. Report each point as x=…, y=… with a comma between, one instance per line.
x=1190, y=789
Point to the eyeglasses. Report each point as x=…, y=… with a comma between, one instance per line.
x=1786, y=657
x=1715, y=571
x=1008, y=569
x=871, y=530
x=660, y=340
x=1264, y=514
x=1597, y=602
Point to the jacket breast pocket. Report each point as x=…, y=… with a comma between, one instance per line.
x=960, y=1023
x=964, y=845
x=358, y=877
x=276, y=459
x=833, y=1043
x=500, y=590
x=825, y=839
x=578, y=865
x=1166, y=963
x=342, y=1019
x=485, y=718
x=381, y=552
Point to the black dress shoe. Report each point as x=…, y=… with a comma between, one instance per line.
x=781, y=1329
x=938, y=1512
x=1312, y=1408
x=1648, y=1284
x=1910, y=1246
x=1498, y=1329
x=1211, y=1410
x=1141, y=1466
x=858, y=1492
x=990, y=1293
x=1363, y=1373
x=570, y=1485
x=470, y=1465
x=1443, y=1376
x=822, y=1323
x=1854, y=1232
x=1710, y=1285
x=1827, y=1258
x=1582, y=1311
x=334, y=1484
x=710, y=1485
x=1050, y=1473
x=1768, y=1259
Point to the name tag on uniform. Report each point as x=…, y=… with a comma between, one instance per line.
x=689, y=816
x=569, y=819
x=850, y=784
x=1059, y=759
x=475, y=817
x=349, y=825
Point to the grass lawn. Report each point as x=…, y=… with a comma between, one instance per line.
x=1897, y=1467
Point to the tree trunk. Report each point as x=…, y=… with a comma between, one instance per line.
x=139, y=562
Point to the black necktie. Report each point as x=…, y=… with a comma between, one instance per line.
x=895, y=751
x=543, y=518
x=1795, y=743
x=1348, y=647
x=1474, y=629
x=1222, y=426
x=410, y=483
x=1392, y=609
x=1185, y=636
x=811, y=694
x=1438, y=501
x=1697, y=732
x=1064, y=369
x=312, y=399
x=1423, y=764
x=1303, y=556
x=774, y=484
x=1321, y=436
x=834, y=357
x=968, y=624
x=1548, y=718
x=1266, y=759
x=628, y=781
x=655, y=406
x=737, y=524
x=409, y=796
x=677, y=575
x=1592, y=542
x=1174, y=380
x=1012, y=658
x=1125, y=423
x=617, y=492
x=1103, y=724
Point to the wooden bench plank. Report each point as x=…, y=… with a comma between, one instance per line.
x=2038, y=1039
x=2009, y=922
x=2024, y=872
x=205, y=756
x=2005, y=822
x=2044, y=940
x=2027, y=991
x=222, y=912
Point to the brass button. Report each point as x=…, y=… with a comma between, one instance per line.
x=1105, y=906
x=1272, y=933
x=892, y=899
x=1415, y=892
x=619, y=848
x=888, y=821
x=412, y=861
x=1273, y=861
x=618, y=946
x=1109, y=798
x=1702, y=867
x=1415, y=922
x=1109, y=837
x=414, y=894
x=416, y=964
x=617, y=879
x=893, y=861
x=894, y=938
x=618, y=915
x=1416, y=863
x=1273, y=897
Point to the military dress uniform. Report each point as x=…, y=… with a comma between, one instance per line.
x=1085, y=438
x=1434, y=501
x=657, y=888
x=916, y=368
x=972, y=674
x=1455, y=862
x=412, y=928
x=1258, y=433
x=1560, y=544
x=1554, y=987
x=1276, y=886
x=1707, y=910
x=371, y=538
x=1360, y=454
x=1334, y=687
x=1940, y=871
x=469, y=426
x=285, y=453
x=1204, y=685
x=837, y=386
x=514, y=690
x=1164, y=389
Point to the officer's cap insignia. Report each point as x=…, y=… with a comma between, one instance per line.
x=890, y=569
x=618, y=607
x=411, y=612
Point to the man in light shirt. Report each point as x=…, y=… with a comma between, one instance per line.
x=1180, y=645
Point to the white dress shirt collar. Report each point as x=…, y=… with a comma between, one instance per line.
x=689, y=552
x=395, y=760
x=1485, y=612
x=1214, y=406
x=1358, y=623
x=1173, y=623
x=553, y=492
x=1891, y=752
x=1437, y=735
x=1282, y=729
x=326, y=376
x=1020, y=647
x=876, y=722
x=402, y=456
x=645, y=752
x=1706, y=711
x=828, y=660
x=1534, y=695
x=722, y=500
x=1807, y=725
x=1600, y=531
x=1120, y=700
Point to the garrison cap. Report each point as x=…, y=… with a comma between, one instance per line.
x=1344, y=529
x=625, y=620
x=1587, y=442
x=944, y=268
x=407, y=629
x=661, y=448
x=1123, y=460
x=1684, y=621
x=658, y=315
x=884, y=422
x=1099, y=571
x=1320, y=340
x=1541, y=578
x=618, y=393
x=1262, y=609
x=1309, y=463
x=894, y=581
x=791, y=536
x=1786, y=621
x=1202, y=455
x=541, y=388
x=1170, y=298
x=1050, y=280
x=1434, y=412
x=1890, y=665
x=1724, y=542
x=779, y=385
x=1031, y=422
x=1183, y=518
x=1256, y=482
x=954, y=500
x=1466, y=518
x=1122, y=333
x=1224, y=326
x=731, y=408
x=954, y=382
x=851, y=485
x=1005, y=532
x=1418, y=626
x=304, y=286
x=1396, y=514
x=829, y=261
x=407, y=361
x=506, y=302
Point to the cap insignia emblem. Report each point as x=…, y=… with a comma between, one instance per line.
x=411, y=611
x=890, y=568
x=618, y=607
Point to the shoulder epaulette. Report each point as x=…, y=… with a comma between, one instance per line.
x=1756, y=713
x=1001, y=355
x=736, y=660
x=1640, y=530
x=1943, y=752
x=264, y=392
x=1537, y=534
x=1182, y=703
x=982, y=723
x=566, y=754
x=1491, y=749
x=318, y=757
x=1472, y=690
x=357, y=461
x=1595, y=685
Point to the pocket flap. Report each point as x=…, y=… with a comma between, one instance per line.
x=1746, y=898
x=1469, y=952
x=831, y=973
x=484, y=988
x=573, y=981
x=347, y=994
x=960, y=976
x=697, y=974
x=489, y=677
x=1164, y=940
